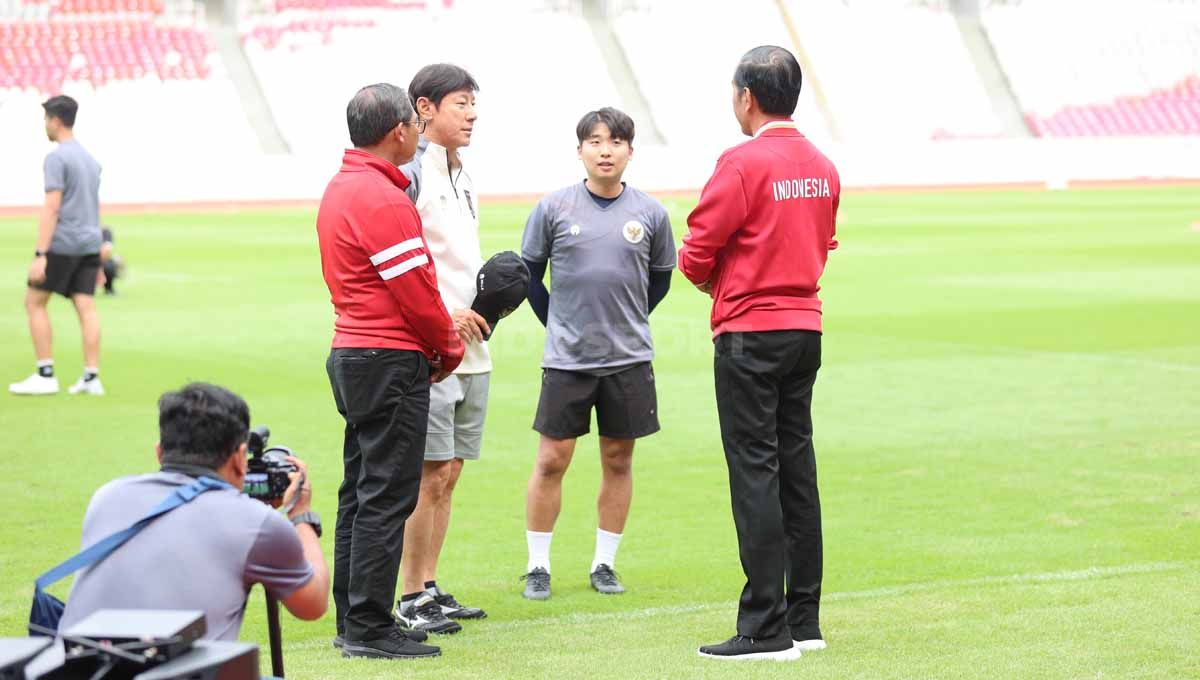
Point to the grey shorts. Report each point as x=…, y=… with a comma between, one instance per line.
x=457, y=407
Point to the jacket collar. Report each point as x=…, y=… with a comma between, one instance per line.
x=357, y=160
x=777, y=125
x=438, y=156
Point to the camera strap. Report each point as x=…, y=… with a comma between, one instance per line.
x=103, y=548
x=46, y=611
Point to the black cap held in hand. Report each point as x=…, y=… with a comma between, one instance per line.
x=500, y=287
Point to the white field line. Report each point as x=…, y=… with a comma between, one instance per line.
x=1132, y=361
x=1089, y=574
x=1016, y=352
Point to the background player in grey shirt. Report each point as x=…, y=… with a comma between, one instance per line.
x=66, y=259
x=610, y=252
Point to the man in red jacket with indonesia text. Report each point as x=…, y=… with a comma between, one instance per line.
x=757, y=243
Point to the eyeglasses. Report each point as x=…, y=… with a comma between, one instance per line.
x=419, y=124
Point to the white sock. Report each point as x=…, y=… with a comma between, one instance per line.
x=539, y=549
x=45, y=368
x=606, y=548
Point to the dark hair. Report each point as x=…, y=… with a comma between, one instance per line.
x=435, y=81
x=201, y=424
x=375, y=111
x=620, y=125
x=63, y=108
x=773, y=76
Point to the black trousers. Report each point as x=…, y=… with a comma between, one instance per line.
x=764, y=398
x=383, y=395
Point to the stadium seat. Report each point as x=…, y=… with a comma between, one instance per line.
x=1101, y=69
x=42, y=55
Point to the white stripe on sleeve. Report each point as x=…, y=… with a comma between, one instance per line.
x=407, y=265
x=398, y=249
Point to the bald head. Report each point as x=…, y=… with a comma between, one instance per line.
x=375, y=111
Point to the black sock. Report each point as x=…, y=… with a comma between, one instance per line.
x=430, y=584
x=409, y=597
x=46, y=371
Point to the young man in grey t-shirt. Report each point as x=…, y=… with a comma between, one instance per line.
x=611, y=253
x=66, y=259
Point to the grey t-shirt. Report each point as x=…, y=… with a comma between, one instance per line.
x=203, y=555
x=72, y=170
x=600, y=262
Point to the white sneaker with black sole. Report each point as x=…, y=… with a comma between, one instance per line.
x=35, y=385
x=424, y=613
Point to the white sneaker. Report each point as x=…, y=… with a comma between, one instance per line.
x=92, y=387
x=809, y=645
x=35, y=384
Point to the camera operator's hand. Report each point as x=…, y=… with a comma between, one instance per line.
x=301, y=486
x=471, y=327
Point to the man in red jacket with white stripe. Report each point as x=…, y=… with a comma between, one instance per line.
x=757, y=243
x=392, y=337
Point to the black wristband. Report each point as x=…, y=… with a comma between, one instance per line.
x=310, y=518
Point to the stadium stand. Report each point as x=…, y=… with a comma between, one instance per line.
x=1102, y=69
x=684, y=54
x=891, y=71
x=896, y=89
x=310, y=62
x=141, y=69
x=44, y=55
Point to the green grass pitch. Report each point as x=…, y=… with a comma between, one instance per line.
x=1007, y=431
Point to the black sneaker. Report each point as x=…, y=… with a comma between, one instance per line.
x=453, y=609
x=425, y=614
x=396, y=645
x=339, y=640
x=604, y=581
x=537, y=584
x=741, y=648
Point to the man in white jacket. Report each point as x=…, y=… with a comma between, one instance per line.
x=444, y=97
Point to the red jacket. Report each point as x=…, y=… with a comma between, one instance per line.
x=761, y=232
x=381, y=279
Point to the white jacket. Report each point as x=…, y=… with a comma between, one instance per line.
x=449, y=210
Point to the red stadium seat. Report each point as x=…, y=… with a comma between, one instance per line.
x=38, y=54
x=1169, y=111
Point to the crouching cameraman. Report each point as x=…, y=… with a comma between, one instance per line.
x=206, y=554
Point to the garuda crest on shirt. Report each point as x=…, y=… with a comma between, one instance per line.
x=633, y=231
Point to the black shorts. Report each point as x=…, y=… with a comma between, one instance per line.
x=626, y=403
x=70, y=275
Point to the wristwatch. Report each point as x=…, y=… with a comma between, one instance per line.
x=310, y=518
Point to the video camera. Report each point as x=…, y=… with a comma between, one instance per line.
x=268, y=469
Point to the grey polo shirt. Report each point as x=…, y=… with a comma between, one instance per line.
x=203, y=555
x=600, y=262
x=72, y=170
